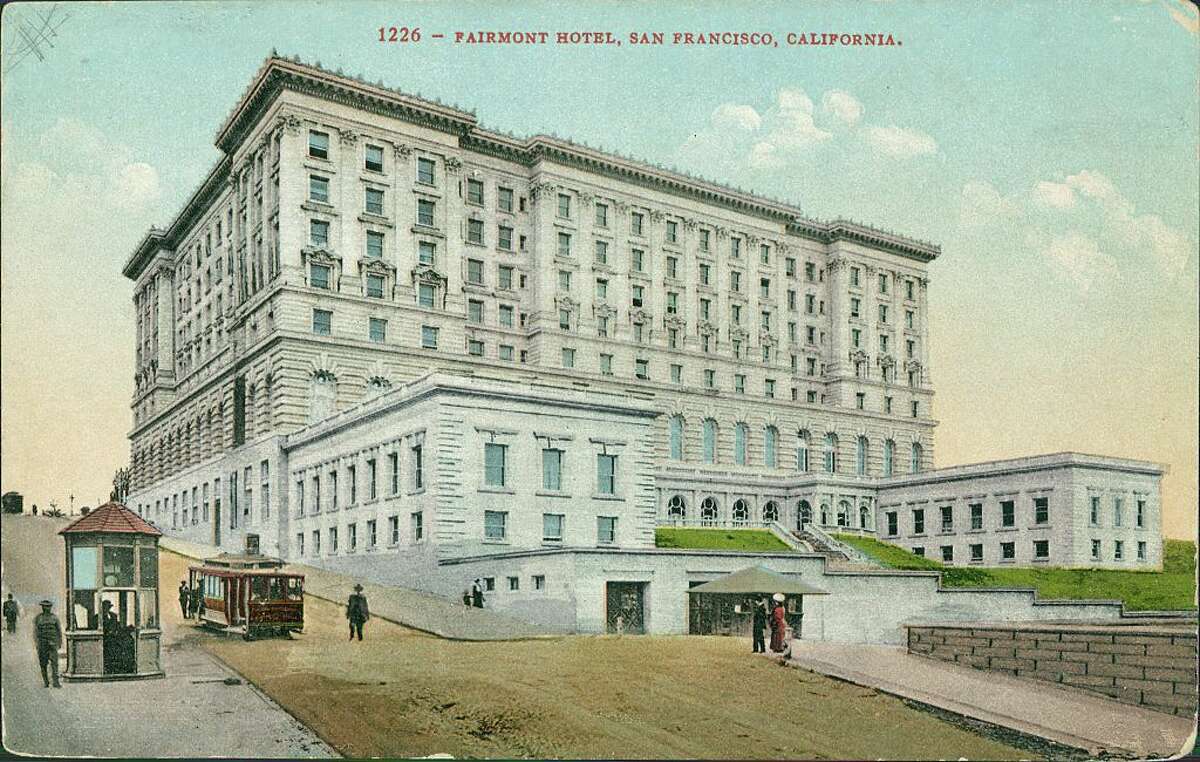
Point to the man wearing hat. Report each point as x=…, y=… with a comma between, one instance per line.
x=10, y=614
x=758, y=623
x=356, y=612
x=47, y=632
x=185, y=596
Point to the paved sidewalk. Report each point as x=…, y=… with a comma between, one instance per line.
x=1057, y=714
x=420, y=611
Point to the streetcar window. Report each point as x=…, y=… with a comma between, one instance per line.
x=295, y=589
x=259, y=589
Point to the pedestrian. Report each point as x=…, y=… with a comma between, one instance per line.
x=184, y=596
x=356, y=612
x=47, y=632
x=778, y=624
x=758, y=623
x=10, y=614
x=467, y=597
x=477, y=593
x=196, y=602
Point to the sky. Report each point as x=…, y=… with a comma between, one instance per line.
x=1051, y=149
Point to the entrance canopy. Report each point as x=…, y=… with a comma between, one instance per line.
x=757, y=579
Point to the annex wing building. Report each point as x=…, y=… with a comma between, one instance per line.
x=383, y=338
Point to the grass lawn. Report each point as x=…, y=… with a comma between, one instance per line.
x=718, y=539
x=1172, y=588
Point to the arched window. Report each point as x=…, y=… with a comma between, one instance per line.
x=741, y=512
x=739, y=444
x=889, y=457
x=802, y=443
x=676, y=437
x=831, y=443
x=864, y=516
x=770, y=512
x=708, y=511
x=843, y=514
x=860, y=456
x=803, y=514
x=916, y=458
x=770, y=448
x=710, y=440
x=676, y=507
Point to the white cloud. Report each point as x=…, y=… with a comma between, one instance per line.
x=731, y=116
x=842, y=106
x=899, y=142
x=793, y=126
x=982, y=204
x=1094, y=185
x=764, y=156
x=1079, y=259
x=1054, y=195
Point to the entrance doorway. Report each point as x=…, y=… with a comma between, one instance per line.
x=626, y=607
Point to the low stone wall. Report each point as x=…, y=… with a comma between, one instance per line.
x=1148, y=665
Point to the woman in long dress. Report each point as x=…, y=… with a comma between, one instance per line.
x=778, y=626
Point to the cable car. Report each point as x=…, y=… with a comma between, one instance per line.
x=249, y=594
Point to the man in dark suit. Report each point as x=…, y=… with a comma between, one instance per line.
x=356, y=612
x=47, y=632
x=758, y=623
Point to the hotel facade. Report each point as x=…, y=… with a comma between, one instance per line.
x=386, y=339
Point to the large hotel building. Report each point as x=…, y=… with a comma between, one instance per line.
x=383, y=338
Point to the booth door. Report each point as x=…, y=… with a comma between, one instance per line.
x=626, y=609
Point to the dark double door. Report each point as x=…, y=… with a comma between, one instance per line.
x=626, y=607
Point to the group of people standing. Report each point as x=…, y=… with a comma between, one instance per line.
x=473, y=595
x=191, y=600
x=769, y=612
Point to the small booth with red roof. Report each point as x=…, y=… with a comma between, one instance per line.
x=113, y=630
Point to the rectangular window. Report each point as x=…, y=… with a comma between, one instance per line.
x=374, y=159
x=1041, y=510
x=474, y=311
x=739, y=383
x=374, y=202
x=568, y=357
x=672, y=231
x=374, y=245
x=318, y=144
x=1008, y=513
x=1118, y=509
x=977, y=515
x=606, y=530
x=506, y=352
x=564, y=244
x=504, y=238
x=564, y=280
x=375, y=286
x=425, y=215
x=475, y=348
x=429, y=337
x=638, y=260
x=606, y=364
x=318, y=276
x=948, y=554
x=564, y=205
x=377, y=330
x=947, y=518
x=1118, y=550
x=514, y=584
x=475, y=191
x=893, y=524
x=425, y=171
x=322, y=322
x=416, y=523
x=1094, y=512
x=1041, y=549
x=505, y=314
x=425, y=296
x=493, y=464
x=1141, y=550
x=418, y=468
x=539, y=582
x=552, y=527
x=636, y=219
x=641, y=369
x=1096, y=550
x=318, y=189
x=504, y=275
x=504, y=199
x=333, y=540
x=919, y=552
x=425, y=252
x=475, y=271
x=606, y=474
x=1008, y=551
x=1141, y=514
x=552, y=469
x=976, y=553
x=318, y=233
x=495, y=525
x=919, y=521
x=475, y=231
x=601, y=215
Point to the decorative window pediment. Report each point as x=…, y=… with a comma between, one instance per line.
x=427, y=275
x=603, y=310
x=858, y=355
x=640, y=316
x=375, y=266
x=674, y=321
x=738, y=334
x=320, y=255
x=766, y=339
x=566, y=303
x=705, y=328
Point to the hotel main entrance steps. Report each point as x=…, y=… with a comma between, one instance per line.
x=838, y=555
x=415, y=609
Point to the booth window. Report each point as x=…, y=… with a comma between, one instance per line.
x=147, y=611
x=83, y=608
x=118, y=567
x=149, y=569
x=83, y=568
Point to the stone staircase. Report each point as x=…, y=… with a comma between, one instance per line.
x=839, y=556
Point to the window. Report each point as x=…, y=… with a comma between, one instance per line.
x=919, y=551
x=506, y=352
x=672, y=267
x=1008, y=551
x=514, y=583
x=495, y=525
x=739, y=444
x=860, y=455
x=1008, y=513
x=739, y=383
x=908, y=320
x=416, y=523
x=300, y=543
x=321, y=322
x=919, y=521
x=474, y=311
x=504, y=237
x=475, y=191
x=493, y=464
x=676, y=374
x=710, y=441
x=638, y=260
x=1094, y=513
x=475, y=231
x=1118, y=550
x=375, y=286
x=1141, y=514
x=976, y=553
x=1096, y=550
x=1041, y=510
x=915, y=465
x=770, y=447
x=564, y=244
x=893, y=524
x=675, y=431
x=606, y=530
x=425, y=209
x=425, y=296
x=475, y=271
x=316, y=541
x=318, y=232
x=568, y=357
x=429, y=337
x=606, y=364
x=601, y=253
x=831, y=453
x=947, y=518
x=374, y=159
x=374, y=201
x=504, y=278
x=425, y=173
x=1041, y=549
x=672, y=231
x=318, y=189
x=318, y=144
x=735, y=247
x=333, y=539
x=855, y=337
x=539, y=582
x=504, y=199
x=1141, y=550
x=1118, y=509
x=976, y=516
x=802, y=452
x=948, y=554
x=889, y=457
x=564, y=320
x=735, y=280
x=636, y=220
x=705, y=275
x=641, y=369
x=475, y=347
x=637, y=295
x=769, y=388
x=606, y=474
x=854, y=274
x=564, y=205
x=601, y=215
x=505, y=313
x=374, y=245
x=883, y=313
x=564, y=280
x=908, y=289
x=318, y=276
x=425, y=252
